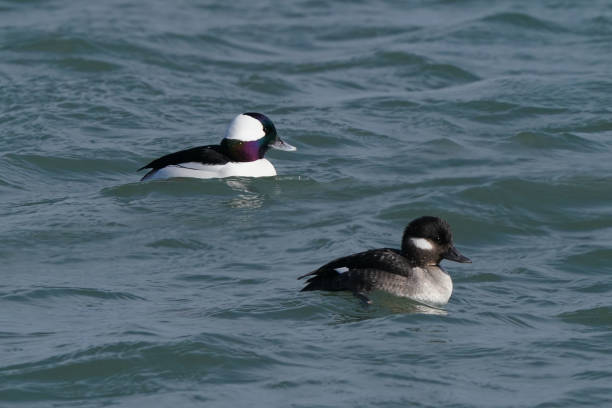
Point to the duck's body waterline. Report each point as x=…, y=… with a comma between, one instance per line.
x=257, y=168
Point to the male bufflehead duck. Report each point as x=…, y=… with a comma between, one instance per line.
x=241, y=153
x=413, y=272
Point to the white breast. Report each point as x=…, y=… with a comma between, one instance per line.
x=257, y=168
x=433, y=286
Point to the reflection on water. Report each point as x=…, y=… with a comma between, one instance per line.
x=255, y=192
x=406, y=306
x=247, y=201
x=247, y=198
x=382, y=305
x=240, y=185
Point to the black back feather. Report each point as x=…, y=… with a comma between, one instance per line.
x=211, y=154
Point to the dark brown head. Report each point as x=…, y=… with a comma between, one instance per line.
x=427, y=240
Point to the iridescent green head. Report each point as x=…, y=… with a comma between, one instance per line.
x=249, y=136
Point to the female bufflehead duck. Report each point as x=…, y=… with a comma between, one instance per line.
x=413, y=272
x=241, y=153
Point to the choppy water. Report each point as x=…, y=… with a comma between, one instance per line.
x=496, y=117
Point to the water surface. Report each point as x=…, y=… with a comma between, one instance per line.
x=495, y=117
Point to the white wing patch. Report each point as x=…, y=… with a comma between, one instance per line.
x=245, y=128
x=342, y=269
x=422, y=243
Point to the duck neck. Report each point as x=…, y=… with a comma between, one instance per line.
x=241, y=151
x=419, y=257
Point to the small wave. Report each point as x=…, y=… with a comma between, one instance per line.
x=549, y=141
x=599, y=316
x=481, y=278
x=495, y=111
x=590, y=375
x=13, y=335
x=280, y=309
x=182, y=243
x=11, y=186
x=414, y=64
x=65, y=164
x=179, y=187
x=386, y=103
x=206, y=278
x=592, y=287
x=598, y=26
x=595, y=126
x=593, y=261
x=360, y=33
x=50, y=292
x=517, y=194
x=442, y=145
x=325, y=139
x=222, y=44
x=453, y=72
x=522, y=20
x=85, y=64
x=267, y=84
x=119, y=368
x=51, y=43
x=519, y=320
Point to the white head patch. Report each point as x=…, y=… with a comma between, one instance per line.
x=245, y=128
x=422, y=243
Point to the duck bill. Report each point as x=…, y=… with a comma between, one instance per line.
x=280, y=145
x=453, y=255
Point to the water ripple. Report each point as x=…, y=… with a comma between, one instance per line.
x=599, y=316
x=121, y=368
x=28, y=295
x=524, y=21
x=495, y=116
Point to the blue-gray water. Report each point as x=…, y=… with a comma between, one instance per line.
x=495, y=116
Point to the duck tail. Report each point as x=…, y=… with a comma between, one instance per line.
x=148, y=175
x=323, y=280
